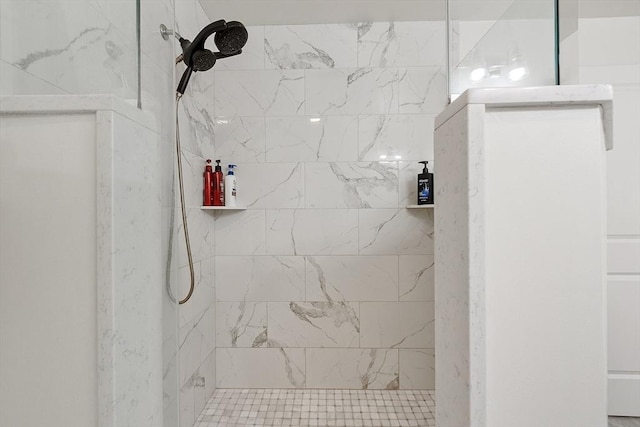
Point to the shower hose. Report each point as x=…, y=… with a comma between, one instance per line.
x=184, y=218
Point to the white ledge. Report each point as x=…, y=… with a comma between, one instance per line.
x=75, y=104
x=538, y=96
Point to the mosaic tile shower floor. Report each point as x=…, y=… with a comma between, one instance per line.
x=319, y=408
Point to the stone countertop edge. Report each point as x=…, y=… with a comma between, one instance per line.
x=538, y=96
x=75, y=104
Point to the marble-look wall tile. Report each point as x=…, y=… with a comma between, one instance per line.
x=241, y=324
x=314, y=324
x=270, y=185
x=88, y=44
x=197, y=124
x=401, y=44
x=192, y=168
x=204, y=293
x=204, y=381
x=366, y=369
x=312, y=138
x=197, y=341
x=240, y=232
x=395, y=231
x=416, y=278
x=312, y=231
x=259, y=92
x=422, y=90
x=352, y=278
x=397, y=325
x=352, y=91
x=252, y=57
x=240, y=139
x=187, y=404
x=352, y=185
x=310, y=46
x=395, y=137
x=260, y=367
x=417, y=369
x=201, y=235
x=260, y=278
x=15, y=81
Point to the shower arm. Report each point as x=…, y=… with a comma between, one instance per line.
x=166, y=33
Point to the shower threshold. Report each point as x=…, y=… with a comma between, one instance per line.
x=318, y=408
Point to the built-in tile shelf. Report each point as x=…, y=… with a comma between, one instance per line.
x=420, y=206
x=227, y=208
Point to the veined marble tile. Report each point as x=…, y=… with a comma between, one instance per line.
x=204, y=293
x=422, y=90
x=352, y=278
x=368, y=369
x=312, y=231
x=260, y=367
x=87, y=45
x=313, y=324
x=197, y=123
x=192, y=168
x=241, y=324
x=259, y=92
x=260, y=278
x=187, y=403
x=201, y=235
x=416, y=278
x=310, y=46
x=239, y=139
x=352, y=185
x=395, y=137
x=397, y=324
x=204, y=381
x=197, y=341
x=401, y=44
x=395, y=231
x=312, y=138
x=270, y=185
x=18, y=82
x=240, y=232
x=156, y=48
x=417, y=369
x=252, y=56
x=352, y=91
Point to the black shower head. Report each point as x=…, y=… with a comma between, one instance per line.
x=232, y=39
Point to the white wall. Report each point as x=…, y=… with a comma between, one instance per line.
x=610, y=53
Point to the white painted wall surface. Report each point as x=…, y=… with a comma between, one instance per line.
x=609, y=52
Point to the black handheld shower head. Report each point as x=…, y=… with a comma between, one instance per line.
x=232, y=39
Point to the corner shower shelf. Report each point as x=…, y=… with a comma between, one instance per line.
x=420, y=206
x=223, y=208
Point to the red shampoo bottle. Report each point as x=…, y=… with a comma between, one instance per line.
x=218, y=185
x=207, y=185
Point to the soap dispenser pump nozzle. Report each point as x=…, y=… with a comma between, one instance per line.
x=425, y=163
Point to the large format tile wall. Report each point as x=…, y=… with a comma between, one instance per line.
x=196, y=318
x=326, y=280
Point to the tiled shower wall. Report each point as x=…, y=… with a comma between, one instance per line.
x=326, y=280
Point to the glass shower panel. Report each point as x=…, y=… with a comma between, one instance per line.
x=58, y=47
x=506, y=43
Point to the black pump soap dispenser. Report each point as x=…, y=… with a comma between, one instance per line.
x=425, y=186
